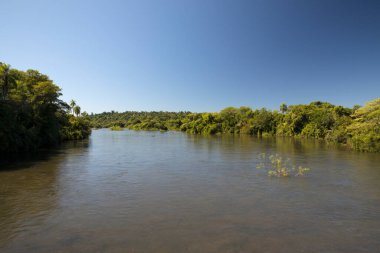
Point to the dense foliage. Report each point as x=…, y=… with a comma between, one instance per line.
x=31, y=114
x=357, y=127
x=139, y=120
x=364, y=132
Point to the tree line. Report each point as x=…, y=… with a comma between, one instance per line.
x=357, y=127
x=31, y=114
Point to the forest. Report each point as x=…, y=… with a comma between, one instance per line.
x=32, y=116
x=357, y=128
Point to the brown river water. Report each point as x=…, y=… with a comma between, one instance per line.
x=169, y=192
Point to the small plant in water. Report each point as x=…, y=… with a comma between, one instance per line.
x=277, y=166
x=302, y=171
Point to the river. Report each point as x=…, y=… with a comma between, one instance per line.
x=141, y=191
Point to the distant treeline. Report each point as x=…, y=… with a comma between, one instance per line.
x=357, y=127
x=31, y=114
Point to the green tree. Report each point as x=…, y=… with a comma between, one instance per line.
x=31, y=114
x=76, y=110
x=365, y=130
x=72, y=105
x=283, y=108
x=4, y=79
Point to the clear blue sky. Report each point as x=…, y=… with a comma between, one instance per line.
x=197, y=55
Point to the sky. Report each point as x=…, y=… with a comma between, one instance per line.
x=197, y=55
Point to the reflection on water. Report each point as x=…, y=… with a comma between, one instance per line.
x=28, y=190
x=172, y=192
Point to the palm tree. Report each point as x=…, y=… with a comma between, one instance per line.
x=283, y=108
x=72, y=105
x=76, y=110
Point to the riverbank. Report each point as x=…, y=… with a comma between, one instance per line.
x=357, y=128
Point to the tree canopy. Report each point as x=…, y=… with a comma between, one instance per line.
x=31, y=114
x=364, y=131
x=357, y=127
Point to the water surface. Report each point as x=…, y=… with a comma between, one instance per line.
x=172, y=192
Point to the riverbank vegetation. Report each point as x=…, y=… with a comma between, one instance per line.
x=357, y=127
x=139, y=120
x=116, y=128
x=31, y=114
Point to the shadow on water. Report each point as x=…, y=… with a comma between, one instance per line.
x=29, y=188
x=27, y=160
